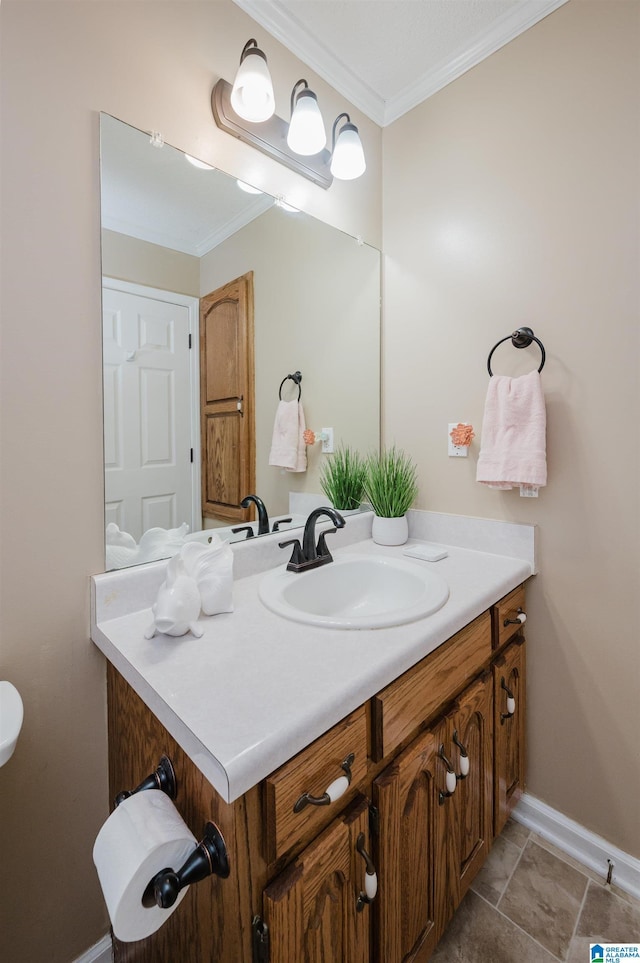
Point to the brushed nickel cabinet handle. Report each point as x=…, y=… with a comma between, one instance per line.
x=334, y=790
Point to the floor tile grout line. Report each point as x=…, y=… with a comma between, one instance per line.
x=518, y=927
x=515, y=866
x=531, y=839
x=584, y=900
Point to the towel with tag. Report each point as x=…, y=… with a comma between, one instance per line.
x=513, y=448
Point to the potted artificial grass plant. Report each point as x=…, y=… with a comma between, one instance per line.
x=390, y=488
x=342, y=479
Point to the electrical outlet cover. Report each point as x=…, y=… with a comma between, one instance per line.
x=456, y=451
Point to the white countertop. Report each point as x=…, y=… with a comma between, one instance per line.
x=257, y=688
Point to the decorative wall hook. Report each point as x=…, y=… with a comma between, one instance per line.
x=164, y=778
x=209, y=858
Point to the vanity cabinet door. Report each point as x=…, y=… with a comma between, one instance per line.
x=311, y=910
x=406, y=798
x=509, y=731
x=465, y=817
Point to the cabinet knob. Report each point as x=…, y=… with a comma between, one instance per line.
x=520, y=619
x=370, y=877
x=511, y=702
x=334, y=790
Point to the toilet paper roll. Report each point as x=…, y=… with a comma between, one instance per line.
x=143, y=836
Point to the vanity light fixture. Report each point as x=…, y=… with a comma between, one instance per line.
x=347, y=155
x=306, y=134
x=298, y=145
x=252, y=94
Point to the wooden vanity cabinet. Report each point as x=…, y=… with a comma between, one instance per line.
x=311, y=911
x=509, y=730
x=432, y=841
x=293, y=892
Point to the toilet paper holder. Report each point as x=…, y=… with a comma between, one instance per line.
x=209, y=858
x=164, y=778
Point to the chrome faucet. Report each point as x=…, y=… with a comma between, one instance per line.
x=263, y=518
x=309, y=554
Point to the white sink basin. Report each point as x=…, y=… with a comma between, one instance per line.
x=11, y=714
x=356, y=592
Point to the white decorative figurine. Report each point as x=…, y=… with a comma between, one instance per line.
x=199, y=577
x=178, y=603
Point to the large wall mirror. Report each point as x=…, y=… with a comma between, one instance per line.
x=179, y=241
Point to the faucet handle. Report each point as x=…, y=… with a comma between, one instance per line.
x=244, y=528
x=297, y=557
x=322, y=549
x=281, y=521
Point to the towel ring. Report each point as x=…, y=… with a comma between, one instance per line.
x=521, y=338
x=296, y=377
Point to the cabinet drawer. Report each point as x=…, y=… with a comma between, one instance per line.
x=504, y=610
x=312, y=771
x=404, y=705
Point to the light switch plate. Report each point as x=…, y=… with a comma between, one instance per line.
x=327, y=441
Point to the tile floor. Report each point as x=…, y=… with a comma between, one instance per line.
x=531, y=903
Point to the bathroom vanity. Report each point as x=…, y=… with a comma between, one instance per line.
x=425, y=721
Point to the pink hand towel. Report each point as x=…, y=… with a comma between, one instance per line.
x=288, y=449
x=513, y=448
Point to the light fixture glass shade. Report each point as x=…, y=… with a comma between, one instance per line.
x=347, y=159
x=252, y=94
x=306, y=133
x=201, y=165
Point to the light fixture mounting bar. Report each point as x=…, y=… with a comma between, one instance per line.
x=270, y=137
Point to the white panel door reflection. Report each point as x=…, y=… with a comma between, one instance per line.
x=147, y=412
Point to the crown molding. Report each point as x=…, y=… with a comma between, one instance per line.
x=296, y=38
x=503, y=30
x=163, y=238
x=293, y=35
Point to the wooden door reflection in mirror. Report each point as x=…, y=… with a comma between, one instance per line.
x=227, y=399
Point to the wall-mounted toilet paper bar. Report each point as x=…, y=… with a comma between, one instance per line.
x=209, y=858
x=164, y=778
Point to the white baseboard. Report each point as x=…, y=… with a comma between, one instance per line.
x=101, y=952
x=572, y=838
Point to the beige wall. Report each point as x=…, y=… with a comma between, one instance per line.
x=130, y=259
x=518, y=204
x=153, y=65
x=317, y=310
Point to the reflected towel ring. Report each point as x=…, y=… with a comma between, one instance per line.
x=296, y=377
x=521, y=338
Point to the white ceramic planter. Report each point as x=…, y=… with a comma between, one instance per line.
x=390, y=531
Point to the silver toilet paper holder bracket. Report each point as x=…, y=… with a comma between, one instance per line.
x=163, y=778
x=209, y=858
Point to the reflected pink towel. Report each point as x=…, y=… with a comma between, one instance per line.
x=513, y=448
x=288, y=449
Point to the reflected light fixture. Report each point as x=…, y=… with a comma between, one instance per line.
x=201, y=165
x=306, y=134
x=248, y=188
x=347, y=155
x=246, y=111
x=252, y=93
